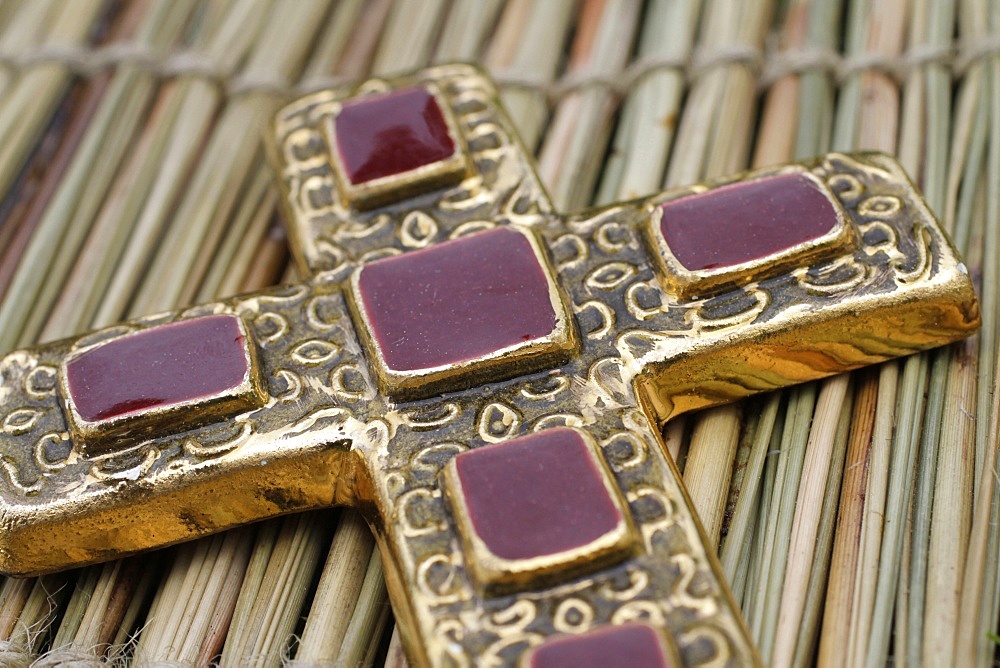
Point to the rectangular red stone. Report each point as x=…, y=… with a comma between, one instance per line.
x=536, y=495
x=537, y=506
x=111, y=387
x=625, y=646
x=385, y=135
x=462, y=302
x=746, y=221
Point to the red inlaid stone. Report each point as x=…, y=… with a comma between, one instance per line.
x=746, y=221
x=457, y=301
x=159, y=367
x=536, y=495
x=625, y=646
x=389, y=134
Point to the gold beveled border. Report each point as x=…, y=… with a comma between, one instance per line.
x=667, y=646
x=688, y=284
x=515, y=360
x=97, y=436
x=495, y=575
x=388, y=189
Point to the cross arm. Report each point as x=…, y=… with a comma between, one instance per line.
x=330, y=234
x=80, y=483
x=882, y=282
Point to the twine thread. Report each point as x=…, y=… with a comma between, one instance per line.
x=769, y=65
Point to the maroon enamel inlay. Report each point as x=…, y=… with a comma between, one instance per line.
x=746, y=221
x=536, y=495
x=456, y=301
x=385, y=135
x=626, y=646
x=158, y=367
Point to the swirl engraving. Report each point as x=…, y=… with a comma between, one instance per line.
x=21, y=421
x=498, y=422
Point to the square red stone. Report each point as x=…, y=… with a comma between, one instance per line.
x=747, y=230
x=461, y=313
x=536, y=508
x=625, y=646
x=392, y=145
x=137, y=383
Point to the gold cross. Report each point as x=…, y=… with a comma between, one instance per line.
x=484, y=378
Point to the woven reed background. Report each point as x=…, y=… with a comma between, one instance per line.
x=860, y=519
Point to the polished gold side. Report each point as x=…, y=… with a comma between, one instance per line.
x=171, y=508
x=66, y=505
x=794, y=351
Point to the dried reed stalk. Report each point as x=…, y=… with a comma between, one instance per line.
x=713, y=138
x=29, y=101
x=648, y=118
x=527, y=47
x=979, y=108
x=714, y=442
x=466, y=29
x=278, y=581
x=839, y=606
x=802, y=557
x=110, y=134
x=338, y=592
x=408, y=36
x=735, y=552
x=763, y=615
x=819, y=572
x=575, y=140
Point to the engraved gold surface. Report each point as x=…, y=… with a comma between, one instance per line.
x=331, y=238
x=325, y=433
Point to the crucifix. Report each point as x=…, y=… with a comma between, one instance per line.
x=484, y=378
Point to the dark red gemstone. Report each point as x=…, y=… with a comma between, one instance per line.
x=457, y=301
x=746, y=221
x=536, y=495
x=389, y=134
x=626, y=646
x=159, y=367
